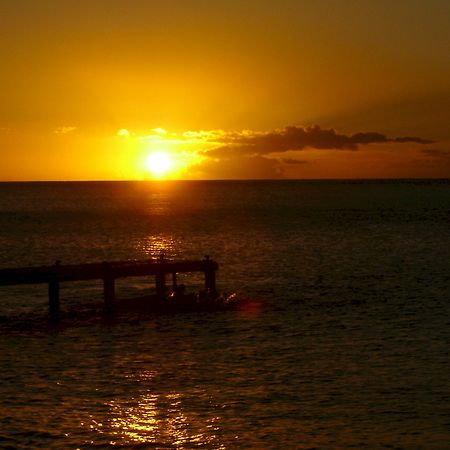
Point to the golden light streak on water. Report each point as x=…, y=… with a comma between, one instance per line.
x=157, y=419
x=154, y=245
x=137, y=422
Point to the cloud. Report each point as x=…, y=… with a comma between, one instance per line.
x=160, y=131
x=65, y=130
x=123, y=132
x=412, y=139
x=293, y=138
x=293, y=161
x=437, y=153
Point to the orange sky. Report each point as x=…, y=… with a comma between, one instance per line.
x=226, y=89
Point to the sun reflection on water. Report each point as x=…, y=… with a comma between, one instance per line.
x=158, y=420
x=154, y=245
x=136, y=422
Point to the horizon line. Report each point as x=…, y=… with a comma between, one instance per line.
x=228, y=180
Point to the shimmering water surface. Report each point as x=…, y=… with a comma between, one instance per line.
x=345, y=342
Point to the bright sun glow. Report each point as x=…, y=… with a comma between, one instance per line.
x=159, y=163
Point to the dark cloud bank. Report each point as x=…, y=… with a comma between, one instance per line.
x=245, y=154
x=294, y=138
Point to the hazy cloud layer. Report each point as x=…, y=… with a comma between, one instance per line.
x=293, y=161
x=252, y=167
x=437, y=153
x=296, y=138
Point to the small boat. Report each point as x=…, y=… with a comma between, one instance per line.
x=179, y=301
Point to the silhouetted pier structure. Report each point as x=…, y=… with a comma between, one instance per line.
x=108, y=272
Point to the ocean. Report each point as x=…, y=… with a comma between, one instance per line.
x=345, y=343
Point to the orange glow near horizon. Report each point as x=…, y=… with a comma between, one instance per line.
x=127, y=154
x=89, y=96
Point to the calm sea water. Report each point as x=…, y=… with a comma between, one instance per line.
x=346, y=344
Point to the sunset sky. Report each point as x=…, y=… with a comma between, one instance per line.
x=93, y=89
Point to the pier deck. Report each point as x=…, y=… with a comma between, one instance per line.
x=108, y=272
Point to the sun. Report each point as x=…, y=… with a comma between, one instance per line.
x=158, y=163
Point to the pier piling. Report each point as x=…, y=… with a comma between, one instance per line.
x=210, y=281
x=210, y=274
x=53, y=298
x=160, y=285
x=109, y=293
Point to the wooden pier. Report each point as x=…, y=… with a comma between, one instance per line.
x=108, y=272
